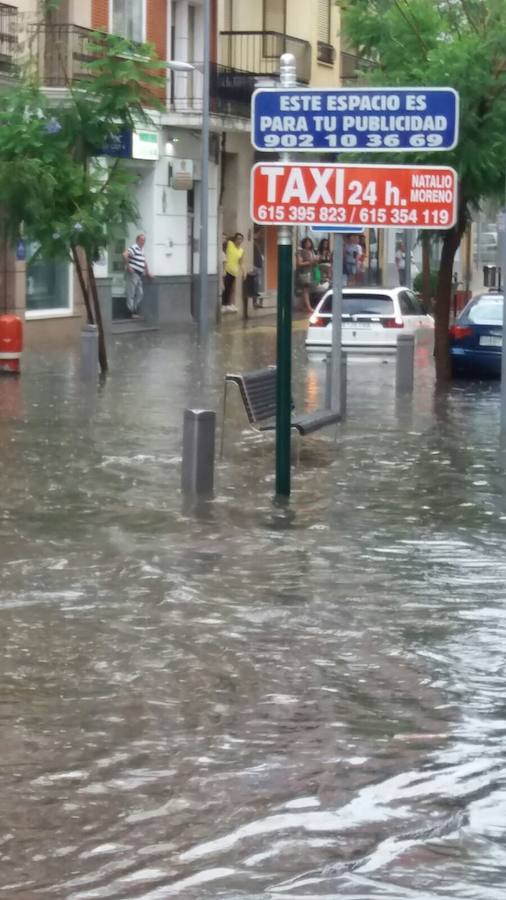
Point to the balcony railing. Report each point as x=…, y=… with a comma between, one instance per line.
x=62, y=53
x=326, y=53
x=353, y=68
x=230, y=91
x=8, y=39
x=258, y=52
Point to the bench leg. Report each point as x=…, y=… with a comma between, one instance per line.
x=298, y=443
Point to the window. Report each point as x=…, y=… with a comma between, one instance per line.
x=358, y=304
x=324, y=21
x=275, y=16
x=47, y=284
x=326, y=52
x=486, y=311
x=415, y=303
x=410, y=305
x=127, y=19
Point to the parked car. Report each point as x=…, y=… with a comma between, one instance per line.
x=476, y=337
x=372, y=320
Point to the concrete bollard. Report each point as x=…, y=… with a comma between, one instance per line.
x=405, y=369
x=343, y=384
x=199, y=430
x=89, y=353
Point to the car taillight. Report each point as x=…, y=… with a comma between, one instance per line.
x=318, y=322
x=392, y=323
x=459, y=332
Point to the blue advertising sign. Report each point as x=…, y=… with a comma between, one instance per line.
x=349, y=120
x=119, y=146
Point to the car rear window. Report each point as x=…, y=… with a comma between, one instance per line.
x=485, y=311
x=362, y=305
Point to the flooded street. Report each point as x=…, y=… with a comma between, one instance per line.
x=243, y=700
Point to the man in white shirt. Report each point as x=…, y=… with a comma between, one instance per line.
x=136, y=267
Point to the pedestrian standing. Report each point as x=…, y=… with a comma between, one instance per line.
x=400, y=262
x=325, y=257
x=352, y=254
x=137, y=268
x=234, y=267
x=307, y=260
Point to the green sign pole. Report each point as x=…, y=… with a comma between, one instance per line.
x=288, y=79
x=284, y=364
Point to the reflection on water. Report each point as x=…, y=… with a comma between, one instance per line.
x=241, y=700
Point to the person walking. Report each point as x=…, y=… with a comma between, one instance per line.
x=234, y=266
x=137, y=268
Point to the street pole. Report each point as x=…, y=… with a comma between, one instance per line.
x=408, y=243
x=203, y=306
x=501, y=234
x=337, y=312
x=284, y=333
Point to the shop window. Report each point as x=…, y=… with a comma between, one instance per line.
x=127, y=19
x=47, y=284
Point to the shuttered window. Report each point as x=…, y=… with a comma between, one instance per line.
x=324, y=21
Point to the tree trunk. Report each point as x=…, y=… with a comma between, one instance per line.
x=451, y=242
x=84, y=287
x=442, y=311
x=102, y=350
x=426, y=279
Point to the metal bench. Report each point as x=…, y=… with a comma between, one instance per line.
x=258, y=393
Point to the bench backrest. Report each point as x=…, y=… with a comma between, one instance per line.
x=258, y=392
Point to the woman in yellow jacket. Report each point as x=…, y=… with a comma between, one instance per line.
x=234, y=255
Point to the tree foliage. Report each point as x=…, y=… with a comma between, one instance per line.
x=435, y=43
x=56, y=185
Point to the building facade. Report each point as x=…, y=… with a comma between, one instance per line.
x=165, y=159
x=246, y=43
x=251, y=39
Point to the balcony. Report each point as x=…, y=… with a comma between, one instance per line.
x=258, y=52
x=353, y=68
x=230, y=92
x=326, y=53
x=62, y=53
x=8, y=39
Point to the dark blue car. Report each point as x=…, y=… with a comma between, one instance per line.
x=476, y=337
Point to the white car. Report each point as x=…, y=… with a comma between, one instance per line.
x=372, y=320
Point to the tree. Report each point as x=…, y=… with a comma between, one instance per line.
x=456, y=43
x=57, y=184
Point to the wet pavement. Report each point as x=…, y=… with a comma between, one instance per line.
x=243, y=700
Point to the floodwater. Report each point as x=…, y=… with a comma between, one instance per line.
x=244, y=700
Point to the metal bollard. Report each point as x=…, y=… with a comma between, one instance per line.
x=89, y=353
x=328, y=382
x=405, y=369
x=199, y=430
x=342, y=383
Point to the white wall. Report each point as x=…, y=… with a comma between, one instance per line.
x=170, y=221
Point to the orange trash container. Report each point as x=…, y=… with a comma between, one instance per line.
x=11, y=342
